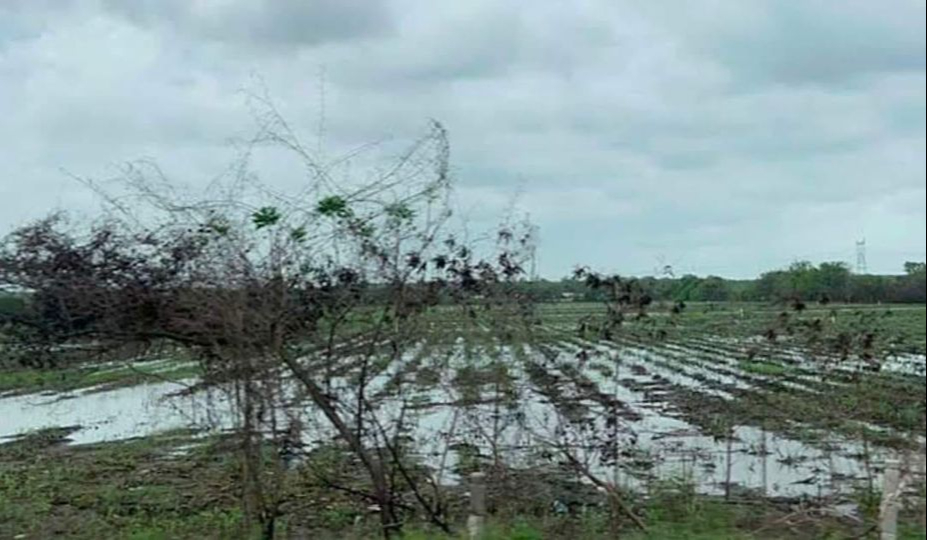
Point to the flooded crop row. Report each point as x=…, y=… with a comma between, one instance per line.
x=518, y=403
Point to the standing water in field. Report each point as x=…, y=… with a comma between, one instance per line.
x=121, y=413
x=510, y=407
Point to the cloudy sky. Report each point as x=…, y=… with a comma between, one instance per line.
x=722, y=137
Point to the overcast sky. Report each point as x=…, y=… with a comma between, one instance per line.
x=718, y=137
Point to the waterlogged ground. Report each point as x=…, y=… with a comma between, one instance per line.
x=115, y=414
x=657, y=436
x=182, y=485
x=96, y=375
x=665, y=411
x=141, y=450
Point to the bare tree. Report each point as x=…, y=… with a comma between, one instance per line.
x=295, y=304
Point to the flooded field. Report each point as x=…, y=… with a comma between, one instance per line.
x=115, y=414
x=688, y=411
x=509, y=404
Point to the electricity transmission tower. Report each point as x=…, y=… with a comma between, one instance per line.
x=861, y=256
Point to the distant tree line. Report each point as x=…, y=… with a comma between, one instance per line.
x=824, y=283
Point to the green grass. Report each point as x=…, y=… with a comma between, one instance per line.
x=764, y=368
x=24, y=380
x=897, y=328
x=144, y=489
x=134, y=489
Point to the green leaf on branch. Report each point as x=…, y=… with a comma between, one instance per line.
x=298, y=234
x=265, y=217
x=400, y=212
x=333, y=206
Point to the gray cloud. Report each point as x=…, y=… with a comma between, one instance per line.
x=277, y=23
x=811, y=42
x=729, y=138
